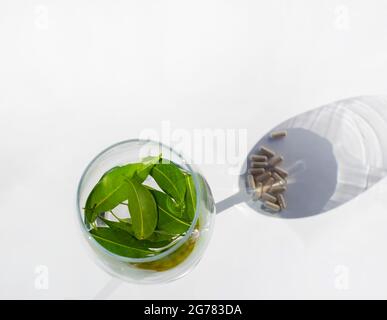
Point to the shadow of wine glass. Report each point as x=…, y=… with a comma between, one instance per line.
x=332, y=153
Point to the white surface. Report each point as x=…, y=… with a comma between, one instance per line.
x=77, y=76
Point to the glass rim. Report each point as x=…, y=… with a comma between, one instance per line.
x=174, y=247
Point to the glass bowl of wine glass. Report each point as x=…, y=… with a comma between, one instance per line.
x=148, y=226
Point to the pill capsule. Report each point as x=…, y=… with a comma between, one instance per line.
x=250, y=182
x=257, y=192
x=258, y=158
x=278, y=178
x=266, y=152
x=263, y=176
x=275, y=160
x=266, y=188
x=272, y=206
x=268, y=197
x=265, y=183
x=259, y=164
x=269, y=183
x=256, y=171
x=277, y=188
x=281, y=201
x=281, y=172
x=278, y=134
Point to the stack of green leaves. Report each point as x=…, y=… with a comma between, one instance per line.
x=156, y=218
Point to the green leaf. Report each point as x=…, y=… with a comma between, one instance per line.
x=142, y=208
x=119, y=225
x=128, y=171
x=168, y=220
x=157, y=239
x=177, y=209
x=146, y=166
x=110, y=190
x=161, y=236
x=190, y=198
x=121, y=243
x=170, y=179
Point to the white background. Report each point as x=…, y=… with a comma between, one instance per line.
x=77, y=76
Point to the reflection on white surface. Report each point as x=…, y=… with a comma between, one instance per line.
x=356, y=128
